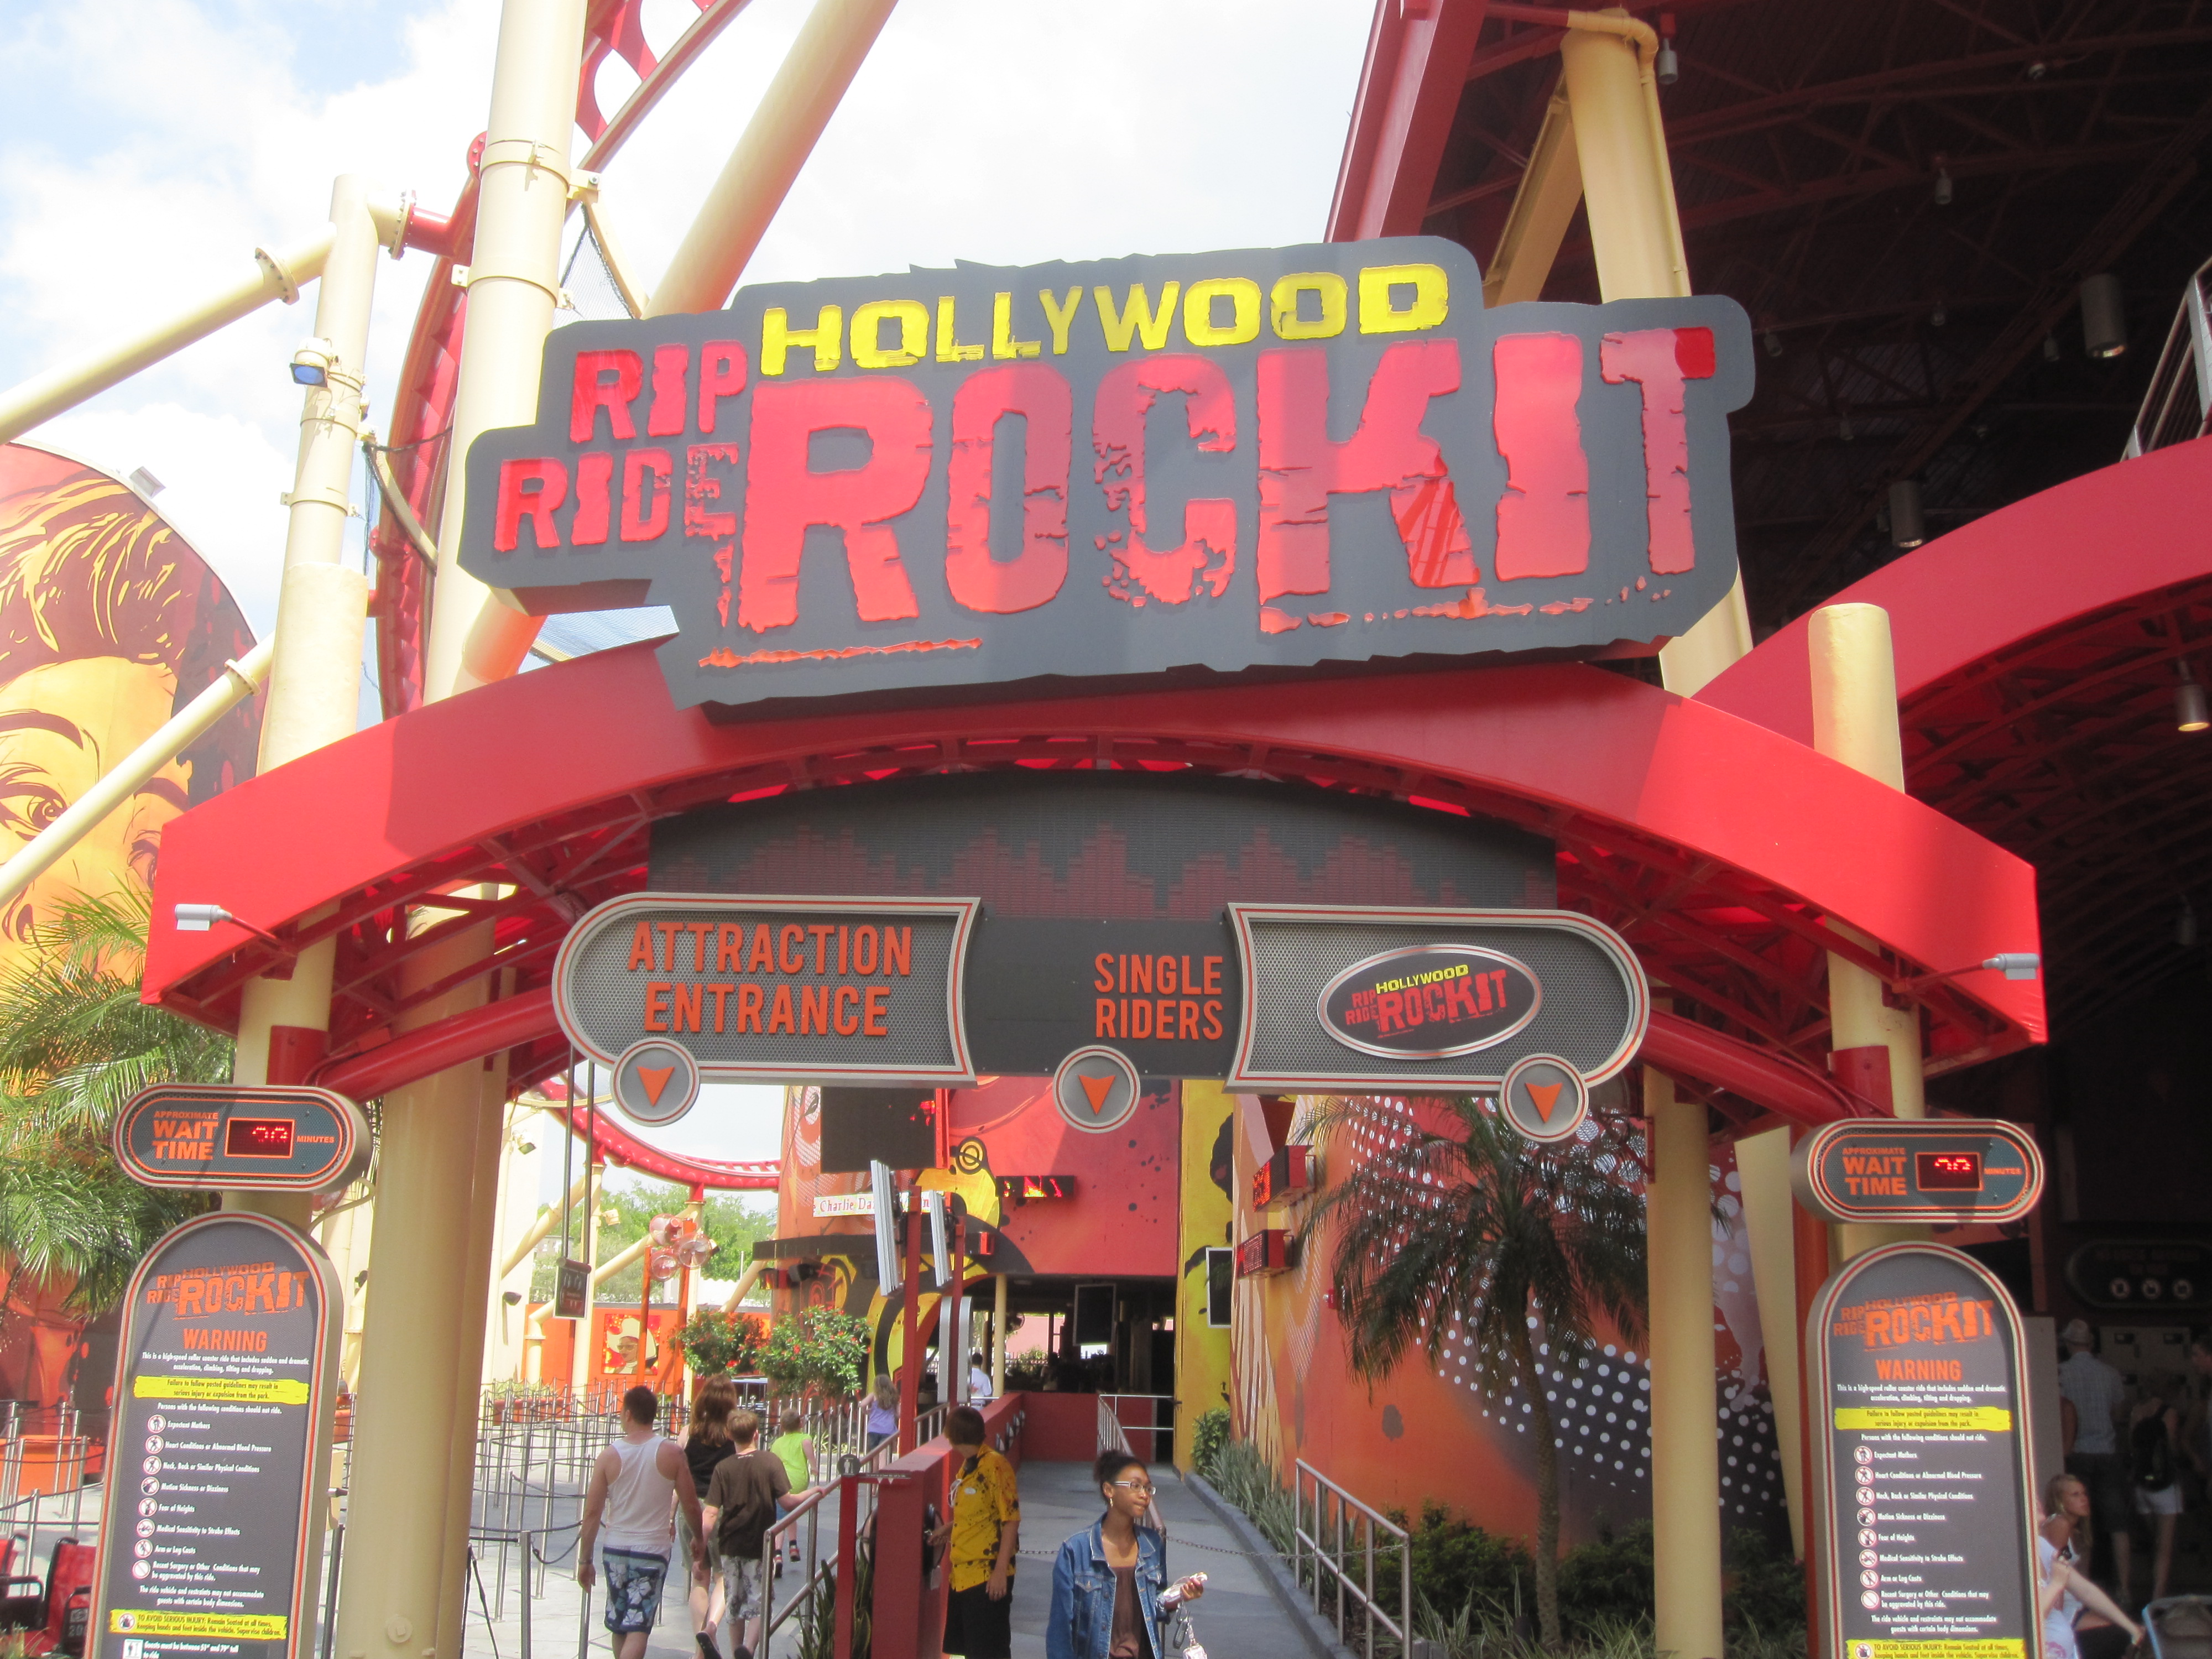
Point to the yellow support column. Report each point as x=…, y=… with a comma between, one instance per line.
x=313, y=689
x=485, y=1164
x=1686, y=1460
x=1854, y=674
x=415, y=1338
x=1637, y=239
x=1762, y=1162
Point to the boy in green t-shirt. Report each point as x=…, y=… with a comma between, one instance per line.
x=794, y=1449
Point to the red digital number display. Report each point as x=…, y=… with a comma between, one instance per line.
x=257, y=1137
x=1947, y=1172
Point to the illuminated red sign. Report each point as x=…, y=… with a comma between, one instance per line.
x=963, y=478
x=1430, y=1001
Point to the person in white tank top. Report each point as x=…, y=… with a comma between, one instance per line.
x=629, y=1512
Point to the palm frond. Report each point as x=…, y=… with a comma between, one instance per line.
x=76, y=1044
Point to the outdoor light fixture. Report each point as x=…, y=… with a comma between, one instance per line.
x=1942, y=185
x=1666, y=69
x=2050, y=347
x=199, y=918
x=2015, y=964
x=2104, y=316
x=2189, y=713
x=1907, y=528
x=2184, y=926
x=145, y=483
x=311, y=362
x=1938, y=317
x=1774, y=344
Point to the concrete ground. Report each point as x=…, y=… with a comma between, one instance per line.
x=1238, y=1616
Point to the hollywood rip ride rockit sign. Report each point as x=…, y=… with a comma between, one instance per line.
x=1103, y=471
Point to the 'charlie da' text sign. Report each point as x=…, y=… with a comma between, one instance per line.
x=1215, y=461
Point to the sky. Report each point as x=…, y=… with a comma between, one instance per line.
x=147, y=149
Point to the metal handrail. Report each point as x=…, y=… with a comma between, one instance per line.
x=1337, y=1510
x=1113, y=1433
x=2184, y=366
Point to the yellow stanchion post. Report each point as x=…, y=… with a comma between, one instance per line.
x=1635, y=237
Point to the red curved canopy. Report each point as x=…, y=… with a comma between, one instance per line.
x=2038, y=653
x=1722, y=851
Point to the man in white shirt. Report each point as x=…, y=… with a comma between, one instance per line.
x=637, y=1485
x=979, y=1379
x=2091, y=1395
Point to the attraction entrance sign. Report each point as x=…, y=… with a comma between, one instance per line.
x=837, y=990
x=220, y=1447
x=1922, y=1509
x=1266, y=459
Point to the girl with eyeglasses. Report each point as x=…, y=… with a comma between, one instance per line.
x=1108, y=1578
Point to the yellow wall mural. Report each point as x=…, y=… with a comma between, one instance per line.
x=1209, y=1221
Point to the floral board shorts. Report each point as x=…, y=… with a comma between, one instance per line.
x=633, y=1582
x=741, y=1585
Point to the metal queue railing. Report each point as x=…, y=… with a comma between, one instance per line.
x=1335, y=1540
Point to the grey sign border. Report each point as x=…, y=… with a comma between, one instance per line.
x=346, y=1165
x=1822, y=1199
x=1242, y=916
x=1828, y=1549
x=1535, y=1008
x=119, y=1503
x=963, y=913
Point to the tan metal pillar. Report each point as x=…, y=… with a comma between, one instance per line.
x=1762, y=1163
x=997, y=1336
x=1629, y=191
x=1686, y=1472
x=515, y=277
x=1854, y=675
x=832, y=44
x=579, y=1356
x=314, y=692
x=415, y=1339
x=468, y=1370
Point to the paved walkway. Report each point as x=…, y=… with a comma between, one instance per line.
x=1238, y=1616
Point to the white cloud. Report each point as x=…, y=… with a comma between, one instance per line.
x=148, y=148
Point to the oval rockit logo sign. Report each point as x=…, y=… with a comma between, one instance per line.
x=1430, y=1001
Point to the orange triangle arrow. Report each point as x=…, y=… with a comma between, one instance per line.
x=1097, y=1088
x=655, y=1081
x=1546, y=1095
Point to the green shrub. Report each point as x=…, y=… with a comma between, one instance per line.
x=1457, y=1564
x=1764, y=1594
x=717, y=1343
x=822, y=1351
x=1607, y=1581
x=1207, y=1436
x=1245, y=1479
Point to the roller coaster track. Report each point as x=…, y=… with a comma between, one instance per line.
x=423, y=407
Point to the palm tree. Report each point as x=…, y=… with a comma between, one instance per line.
x=76, y=1044
x=1462, y=1223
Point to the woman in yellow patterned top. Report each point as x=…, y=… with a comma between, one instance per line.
x=984, y=1533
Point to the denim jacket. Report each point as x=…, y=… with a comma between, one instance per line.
x=1081, y=1623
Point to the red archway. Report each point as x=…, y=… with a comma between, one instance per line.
x=1721, y=850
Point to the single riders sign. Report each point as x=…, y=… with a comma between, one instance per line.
x=1223, y=461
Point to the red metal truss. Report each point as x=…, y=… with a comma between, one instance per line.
x=1417, y=61
x=1721, y=851
x=708, y=1174
x=2038, y=650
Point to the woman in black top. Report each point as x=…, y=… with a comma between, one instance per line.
x=706, y=1445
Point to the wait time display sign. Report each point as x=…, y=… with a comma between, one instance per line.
x=1105, y=471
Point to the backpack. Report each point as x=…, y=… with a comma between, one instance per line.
x=2150, y=1454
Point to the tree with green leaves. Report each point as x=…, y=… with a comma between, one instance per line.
x=1447, y=1221
x=76, y=1044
